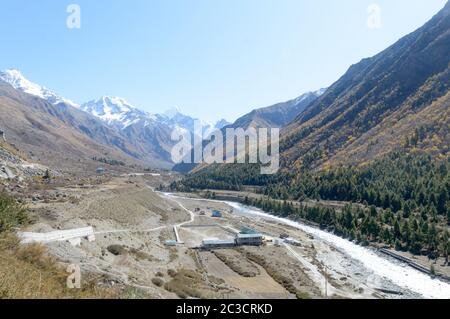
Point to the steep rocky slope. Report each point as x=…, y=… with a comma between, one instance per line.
x=380, y=102
x=57, y=135
x=278, y=115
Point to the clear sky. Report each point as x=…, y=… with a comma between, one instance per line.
x=211, y=58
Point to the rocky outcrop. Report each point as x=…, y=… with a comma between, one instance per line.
x=13, y=167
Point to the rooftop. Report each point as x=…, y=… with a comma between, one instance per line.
x=249, y=235
x=219, y=242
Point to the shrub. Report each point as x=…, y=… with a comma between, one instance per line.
x=116, y=250
x=12, y=214
x=302, y=295
x=172, y=273
x=158, y=282
x=186, y=283
x=28, y=272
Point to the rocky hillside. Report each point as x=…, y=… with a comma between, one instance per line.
x=58, y=135
x=381, y=102
x=112, y=121
x=278, y=115
x=15, y=166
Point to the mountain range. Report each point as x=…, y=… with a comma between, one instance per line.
x=110, y=121
x=401, y=92
x=278, y=115
x=112, y=127
x=403, y=89
x=398, y=99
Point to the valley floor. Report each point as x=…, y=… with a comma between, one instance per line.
x=132, y=223
x=439, y=264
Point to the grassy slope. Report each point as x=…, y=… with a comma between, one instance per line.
x=27, y=271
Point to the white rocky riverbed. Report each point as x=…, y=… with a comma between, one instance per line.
x=378, y=270
x=364, y=266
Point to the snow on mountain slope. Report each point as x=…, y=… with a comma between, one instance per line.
x=176, y=119
x=112, y=121
x=278, y=115
x=19, y=82
x=117, y=111
x=308, y=95
x=114, y=111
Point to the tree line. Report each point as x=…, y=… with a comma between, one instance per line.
x=366, y=225
x=403, y=199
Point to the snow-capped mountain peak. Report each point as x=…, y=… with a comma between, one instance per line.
x=172, y=112
x=308, y=95
x=175, y=118
x=320, y=92
x=221, y=124
x=16, y=79
x=116, y=110
x=113, y=104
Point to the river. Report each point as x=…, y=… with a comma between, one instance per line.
x=384, y=271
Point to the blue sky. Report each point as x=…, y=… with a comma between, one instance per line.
x=211, y=58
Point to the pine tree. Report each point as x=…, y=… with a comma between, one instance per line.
x=397, y=231
x=442, y=202
x=444, y=246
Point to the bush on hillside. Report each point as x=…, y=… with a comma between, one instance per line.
x=12, y=214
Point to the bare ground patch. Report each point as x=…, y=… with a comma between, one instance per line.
x=186, y=283
x=237, y=263
x=283, y=269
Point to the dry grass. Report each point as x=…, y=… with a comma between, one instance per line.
x=28, y=272
x=158, y=282
x=117, y=250
x=14, y=150
x=184, y=283
x=191, y=284
x=12, y=214
x=274, y=272
x=238, y=263
x=173, y=254
x=140, y=255
x=165, y=235
x=131, y=206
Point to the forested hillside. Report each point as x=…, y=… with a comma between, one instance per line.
x=403, y=199
x=380, y=101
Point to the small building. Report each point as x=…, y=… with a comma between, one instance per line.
x=216, y=214
x=170, y=243
x=216, y=243
x=249, y=239
x=100, y=170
